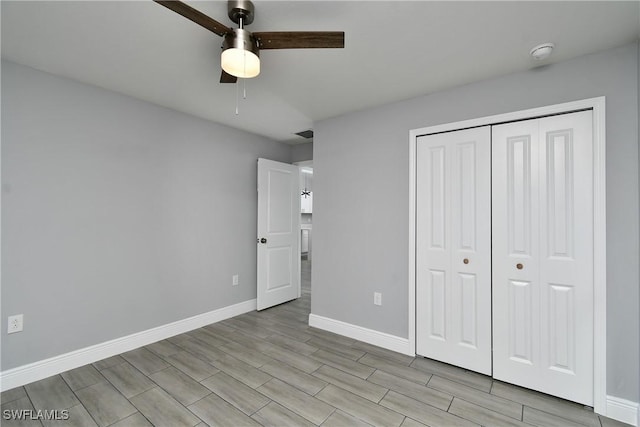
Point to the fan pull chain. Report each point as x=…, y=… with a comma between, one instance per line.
x=244, y=89
x=244, y=94
x=244, y=81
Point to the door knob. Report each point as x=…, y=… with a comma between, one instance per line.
x=519, y=266
x=466, y=260
x=263, y=240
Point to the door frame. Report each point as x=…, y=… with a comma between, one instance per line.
x=597, y=105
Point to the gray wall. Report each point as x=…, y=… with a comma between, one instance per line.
x=118, y=215
x=302, y=152
x=361, y=197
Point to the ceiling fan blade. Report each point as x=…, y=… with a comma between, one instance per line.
x=300, y=39
x=195, y=16
x=227, y=78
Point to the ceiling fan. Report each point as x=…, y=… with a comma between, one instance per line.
x=241, y=48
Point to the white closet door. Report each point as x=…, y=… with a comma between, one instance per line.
x=543, y=255
x=453, y=226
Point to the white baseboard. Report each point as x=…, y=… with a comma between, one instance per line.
x=623, y=410
x=370, y=336
x=45, y=368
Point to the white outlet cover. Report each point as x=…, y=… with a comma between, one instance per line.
x=377, y=298
x=15, y=324
x=236, y=280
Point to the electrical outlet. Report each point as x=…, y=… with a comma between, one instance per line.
x=236, y=280
x=377, y=298
x=15, y=324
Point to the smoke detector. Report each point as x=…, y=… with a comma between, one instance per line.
x=542, y=51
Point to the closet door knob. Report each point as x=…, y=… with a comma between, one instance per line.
x=466, y=260
x=519, y=266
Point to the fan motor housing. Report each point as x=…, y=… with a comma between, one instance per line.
x=238, y=9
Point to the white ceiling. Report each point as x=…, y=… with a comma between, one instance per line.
x=394, y=50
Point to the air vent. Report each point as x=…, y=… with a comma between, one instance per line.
x=305, y=134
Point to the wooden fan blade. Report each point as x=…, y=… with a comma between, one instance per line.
x=227, y=78
x=300, y=39
x=195, y=16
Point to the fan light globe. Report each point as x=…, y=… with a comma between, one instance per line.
x=240, y=54
x=240, y=63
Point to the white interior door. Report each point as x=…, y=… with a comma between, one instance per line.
x=543, y=255
x=278, y=241
x=453, y=252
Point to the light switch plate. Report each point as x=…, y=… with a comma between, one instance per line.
x=377, y=298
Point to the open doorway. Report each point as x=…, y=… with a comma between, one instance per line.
x=306, y=226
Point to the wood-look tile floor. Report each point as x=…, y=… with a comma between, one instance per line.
x=270, y=368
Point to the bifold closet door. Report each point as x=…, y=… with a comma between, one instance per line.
x=542, y=198
x=453, y=248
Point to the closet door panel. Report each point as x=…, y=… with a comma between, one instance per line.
x=520, y=191
x=467, y=287
x=471, y=247
x=520, y=322
x=515, y=240
x=566, y=255
x=453, y=294
x=542, y=255
x=435, y=297
x=434, y=241
x=437, y=193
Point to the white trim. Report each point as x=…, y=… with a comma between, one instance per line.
x=599, y=222
x=623, y=410
x=380, y=339
x=412, y=243
x=45, y=368
x=566, y=107
x=599, y=257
